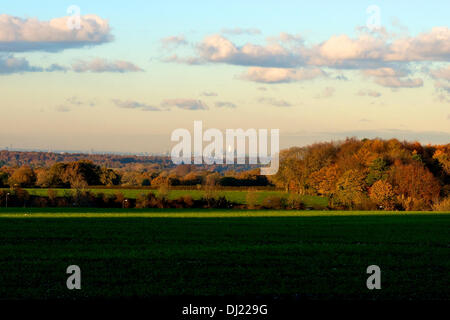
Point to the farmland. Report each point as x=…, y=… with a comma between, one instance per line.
x=151, y=252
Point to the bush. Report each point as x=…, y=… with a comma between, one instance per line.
x=187, y=201
x=274, y=202
x=412, y=204
x=443, y=205
x=295, y=202
x=218, y=203
x=149, y=200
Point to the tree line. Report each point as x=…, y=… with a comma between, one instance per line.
x=369, y=173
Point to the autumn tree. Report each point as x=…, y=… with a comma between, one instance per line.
x=3, y=178
x=23, y=177
x=350, y=189
x=414, y=181
x=442, y=155
x=324, y=180
x=108, y=177
x=377, y=171
x=382, y=194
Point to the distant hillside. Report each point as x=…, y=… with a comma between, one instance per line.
x=45, y=159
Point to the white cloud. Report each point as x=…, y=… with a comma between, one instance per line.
x=217, y=48
x=280, y=75
x=225, y=104
x=174, y=41
x=130, y=104
x=102, y=65
x=187, y=104
x=274, y=102
x=394, y=82
x=56, y=67
x=393, y=78
x=442, y=73
x=31, y=34
x=10, y=64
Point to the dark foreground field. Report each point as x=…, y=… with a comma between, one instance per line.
x=301, y=257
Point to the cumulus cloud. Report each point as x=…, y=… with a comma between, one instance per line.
x=187, y=104
x=280, y=75
x=130, y=104
x=225, y=104
x=274, y=102
x=56, y=67
x=177, y=59
x=443, y=86
x=369, y=49
x=341, y=48
x=427, y=46
x=326, y=93
x=393, y=78
x=393, y=82
x=369, y=93
x=385, y=72
x=31, y=34
x=10, y=64
x=174, y=41
x=102, y=65
x=239, y=31
x=442, y=83
x=217, y=48
x=442, y=73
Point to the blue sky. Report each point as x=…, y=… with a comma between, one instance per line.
x=171, y=63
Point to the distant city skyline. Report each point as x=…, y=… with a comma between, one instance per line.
x=134, y=72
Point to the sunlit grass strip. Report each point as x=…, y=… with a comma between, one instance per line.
x=207, y=214
x=237, y=196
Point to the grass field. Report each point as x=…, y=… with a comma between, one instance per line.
x=236, y=196
x=303, y=254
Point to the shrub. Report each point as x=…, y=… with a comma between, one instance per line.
x=187, y=201
x=295, y=202
x=412, y=204
x=217, y=203
x=443, y=205
x=274, y=202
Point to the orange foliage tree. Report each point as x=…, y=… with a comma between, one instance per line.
x=382, y=194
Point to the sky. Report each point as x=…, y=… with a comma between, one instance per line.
x=122, y=75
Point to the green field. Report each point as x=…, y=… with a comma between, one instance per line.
x=236, y=196
x=302, y=254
